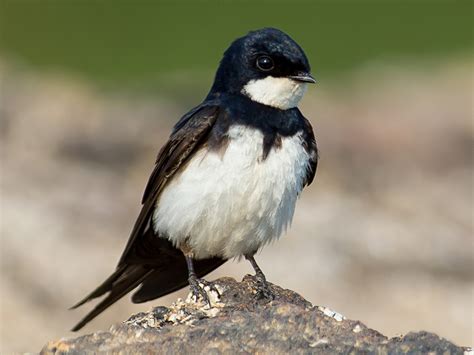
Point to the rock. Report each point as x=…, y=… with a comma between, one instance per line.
x=242, y=322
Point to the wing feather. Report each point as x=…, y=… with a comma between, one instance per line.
x=188, y=135
x=312, y=149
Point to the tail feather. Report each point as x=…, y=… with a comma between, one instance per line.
x=154, y=264
x=119, y=284
x=106, y=286
x=163, y=282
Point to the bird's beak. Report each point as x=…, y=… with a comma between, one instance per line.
x=303, y=77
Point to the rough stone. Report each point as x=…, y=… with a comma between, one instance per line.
x=242, y=322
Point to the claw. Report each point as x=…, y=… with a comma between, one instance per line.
x=199, y=291
x=194, y=282
x=263, y=290
x=211, y=285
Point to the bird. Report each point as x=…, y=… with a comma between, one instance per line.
x=226, y=182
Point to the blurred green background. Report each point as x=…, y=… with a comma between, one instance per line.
x=156, y=44
x=89, y=92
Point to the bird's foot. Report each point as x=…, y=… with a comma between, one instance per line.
x=199, y=292
x=209, y=285
x=263, y=289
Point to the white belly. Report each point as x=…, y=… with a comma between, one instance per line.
x=231, y=204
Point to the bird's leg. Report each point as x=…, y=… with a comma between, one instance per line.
x=194, y=282
x=263, y=288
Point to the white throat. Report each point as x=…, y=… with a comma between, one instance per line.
x=282, y=93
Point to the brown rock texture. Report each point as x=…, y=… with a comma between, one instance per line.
x=240, y=321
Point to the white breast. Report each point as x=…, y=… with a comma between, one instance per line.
x=231, y=204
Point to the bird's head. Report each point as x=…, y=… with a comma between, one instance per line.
x=267, y=66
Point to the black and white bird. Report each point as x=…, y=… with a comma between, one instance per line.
x=226, y=182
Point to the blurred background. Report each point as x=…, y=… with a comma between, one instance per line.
x=91, y=89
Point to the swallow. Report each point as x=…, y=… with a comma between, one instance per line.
x=226, y=182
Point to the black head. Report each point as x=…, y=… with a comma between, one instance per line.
x=263, y=53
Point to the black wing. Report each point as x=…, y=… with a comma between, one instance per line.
x=311, y=147
x=150, y=261
x=187, y=136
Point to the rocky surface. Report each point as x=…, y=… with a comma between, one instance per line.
x=242, y=322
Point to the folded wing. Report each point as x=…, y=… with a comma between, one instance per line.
x=148, y=260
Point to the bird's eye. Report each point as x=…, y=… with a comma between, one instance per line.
x=265, y=63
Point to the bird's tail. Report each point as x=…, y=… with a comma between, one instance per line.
x=154, y=264
x=123, y=280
